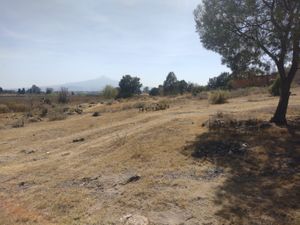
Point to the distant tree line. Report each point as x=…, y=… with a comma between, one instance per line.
x=130, y=86
x=173, y=86
x=22, y=91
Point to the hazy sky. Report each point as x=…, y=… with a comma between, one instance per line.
x=57, y=41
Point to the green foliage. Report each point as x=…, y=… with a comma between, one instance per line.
x=21, y=91
x=218, y=97
x=245, y=32
x=274, y=89
x=109, y=92
x=34, y=90
x=129, y=86
x=182, y=86
x=219, y=82
x=146, y=90
x=49, y=91
x=63, y=96
x=171, y=84
x=154, y=92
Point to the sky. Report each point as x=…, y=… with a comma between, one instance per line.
x=48, y=42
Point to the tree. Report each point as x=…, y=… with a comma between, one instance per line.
x=182, y=86
x=171, y=84
x=129, y=86
x=109, y=92
x=219, y=82
x=1, y=89
x=34, y=90
x=49, y=91
x=63, y=95
x=252, y=34
x=146, y=90
x=154, y=92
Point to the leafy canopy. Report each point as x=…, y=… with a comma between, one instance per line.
x=129, y=86
x=251, y=33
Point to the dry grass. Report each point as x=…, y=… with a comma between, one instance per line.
x=47, y=179
x=57, y=114
x=218, y=97
x=4, y=108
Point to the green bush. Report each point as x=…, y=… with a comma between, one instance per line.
x=218, y=97
x=154, y=92
x=109, y=92
x=274, y=89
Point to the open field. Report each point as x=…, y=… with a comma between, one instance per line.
x=97, y=170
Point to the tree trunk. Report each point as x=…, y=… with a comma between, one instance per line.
x=279, y=117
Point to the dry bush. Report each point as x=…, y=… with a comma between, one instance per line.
x=228, y=123
x=17, y=107
x=248, y=91
x=161, y=105
x=218, y=97
x=44, y=112
x=139, y=105
x=120, y=140
x=202, y=95
x=63, y=96
x=57, y=114
x=19, y=123
x=4, y=108
x=109, y=92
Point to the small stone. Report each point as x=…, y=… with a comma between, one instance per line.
x=78, y=140
x=133, y=178
x=96, y=114
x=134, y=220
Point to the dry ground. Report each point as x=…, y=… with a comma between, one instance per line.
x=46, y=178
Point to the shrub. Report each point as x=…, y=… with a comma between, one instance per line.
x=139, y=105
x=44, y=112
x=17, y=107
x=274, y=89
x=18, y=123
x=129, y=86
x=63, y=95
x=154, y=92
x=218, y=97
x=109, y=92
x=4, y=108
x=57, y=114
x=49, y=91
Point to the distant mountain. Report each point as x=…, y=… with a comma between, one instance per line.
x=88, y=85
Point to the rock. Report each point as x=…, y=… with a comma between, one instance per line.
x=95, y=114
x=34, y=119
x=65, y=154
x=28, y=151
x=133, y=178
x=78, y=111
x=78, y=140
x=134, y=220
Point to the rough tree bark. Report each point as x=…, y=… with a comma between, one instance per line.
x=279, y=117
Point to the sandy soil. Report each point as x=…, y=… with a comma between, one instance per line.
x=46, y=178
